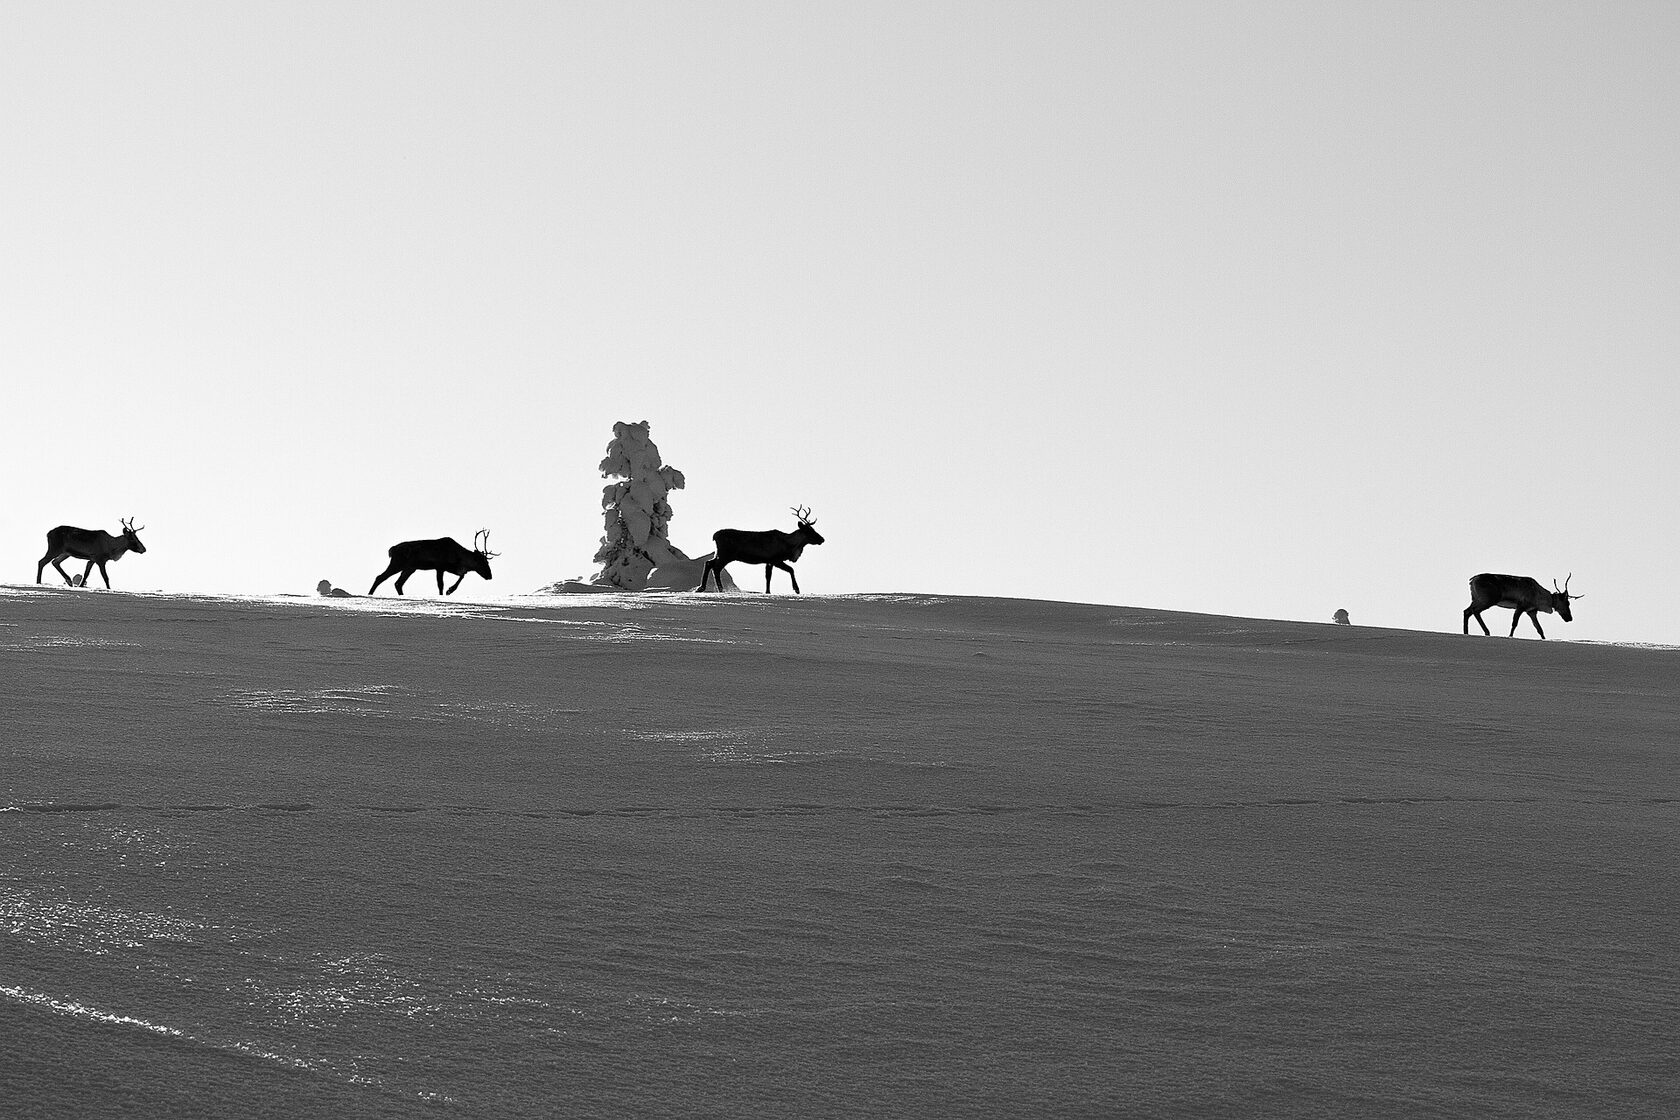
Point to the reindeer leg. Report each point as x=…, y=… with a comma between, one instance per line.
x=452, y=586
x=383, y=576
x=440, y=582
x=783, y=566
x=1534, y=617
x=1471, y=610
x=768, y=568
x=102, y=574
x=58, y=563
x=402, y=579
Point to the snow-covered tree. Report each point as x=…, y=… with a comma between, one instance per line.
x=635, y=514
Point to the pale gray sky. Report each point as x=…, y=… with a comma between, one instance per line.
x=1253, y=308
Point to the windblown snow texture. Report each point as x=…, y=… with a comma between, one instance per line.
x=629, y=855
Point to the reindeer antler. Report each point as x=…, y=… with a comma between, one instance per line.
x=803, y=514
x=485, y=547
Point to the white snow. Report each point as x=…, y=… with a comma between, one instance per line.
x=684, y=575
x=636, y=855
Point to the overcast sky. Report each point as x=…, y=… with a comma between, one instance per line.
x=1252, y=308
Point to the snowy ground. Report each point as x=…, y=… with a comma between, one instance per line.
x=738, y=856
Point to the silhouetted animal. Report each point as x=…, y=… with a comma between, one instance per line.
x=93, y=545
x=1521, y=593
x=442, y=555
x=772, y=548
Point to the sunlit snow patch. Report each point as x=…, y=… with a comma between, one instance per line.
x=385, y=701
x=740, y=746
x=78, y=1010
x=668, y=1009
x=58, y=641
x=84, y=1011
x=86, y=927
x=372, y=699
x=358, y=982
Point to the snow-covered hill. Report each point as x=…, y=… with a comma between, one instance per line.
x=635, y=855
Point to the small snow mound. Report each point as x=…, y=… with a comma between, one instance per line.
x=576, y=587
x=684, y=575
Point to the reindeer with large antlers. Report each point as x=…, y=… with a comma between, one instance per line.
x=442, y=555
x=1523, y=594
x=93, y=545
x=771, y=547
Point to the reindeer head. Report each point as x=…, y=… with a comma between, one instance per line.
x=131, y=535
x=807, y=524
x=1561, y=598
x=482, y=554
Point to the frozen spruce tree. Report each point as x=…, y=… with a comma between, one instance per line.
x=635, y=515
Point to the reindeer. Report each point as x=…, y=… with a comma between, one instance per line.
x=93, y=545
x=772, y=548
x=442, y=555
x=1522, y=594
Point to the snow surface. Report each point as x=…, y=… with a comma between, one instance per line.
x=638, y=855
